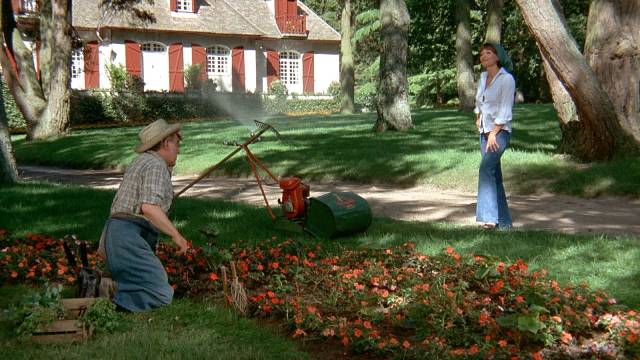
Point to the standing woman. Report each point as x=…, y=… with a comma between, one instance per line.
x=494, y=105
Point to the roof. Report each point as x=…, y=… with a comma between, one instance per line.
x=250, y=18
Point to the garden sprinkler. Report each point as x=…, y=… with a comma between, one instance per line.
x=295, y=192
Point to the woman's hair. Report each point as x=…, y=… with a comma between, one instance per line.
x=492, y=48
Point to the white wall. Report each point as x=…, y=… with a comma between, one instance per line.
x=326, y=61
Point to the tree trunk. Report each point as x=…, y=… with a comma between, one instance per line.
x=600, y=136
x=44, y=102
x=494, y=21
x=612, y=49
x=568, y=118
x=464, y=58
x=347, y=72
x=8, y=170
x=393, y=108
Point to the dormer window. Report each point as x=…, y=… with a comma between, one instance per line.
x=184, y=6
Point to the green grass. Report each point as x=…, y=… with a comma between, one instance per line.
x=189, y=329
x=442, y=151
x=182, y=330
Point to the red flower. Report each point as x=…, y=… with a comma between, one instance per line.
x=496, y=287
x=213, y=276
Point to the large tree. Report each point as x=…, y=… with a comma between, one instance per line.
x=44, y=100
x=464, y=57
x=393, y=108
x=494, y=21
x=8, y=171
x=612, y=49
x=347, y=66
x=599, y=135
x=44, y=97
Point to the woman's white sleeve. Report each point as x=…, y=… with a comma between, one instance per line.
x=507, y=97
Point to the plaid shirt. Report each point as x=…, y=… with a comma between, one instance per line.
x=147, y=180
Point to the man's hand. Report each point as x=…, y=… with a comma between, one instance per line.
x=181, y=243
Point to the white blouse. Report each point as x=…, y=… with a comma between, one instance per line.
x=495, y=101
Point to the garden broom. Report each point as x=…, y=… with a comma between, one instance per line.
x=238, y=296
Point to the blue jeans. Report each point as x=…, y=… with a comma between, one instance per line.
x=492, y=201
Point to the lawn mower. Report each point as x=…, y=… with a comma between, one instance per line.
x=330, y=215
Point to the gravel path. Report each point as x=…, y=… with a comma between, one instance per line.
x=611, y=215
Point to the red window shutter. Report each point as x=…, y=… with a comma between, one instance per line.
x=199, y=56
x=237, y=69
x=273, y=66
x=194, y=5
x=174, y=5
x=292, y=8
x=91, y=65
x=176, y=68
x=281, y=8
x=17, y=6
x=133, y=57
x=307, y=73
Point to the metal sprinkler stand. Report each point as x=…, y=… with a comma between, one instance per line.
x=254, y=163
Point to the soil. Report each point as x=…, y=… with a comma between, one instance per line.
x=561, y=213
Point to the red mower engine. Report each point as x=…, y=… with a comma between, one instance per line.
x=295, y=197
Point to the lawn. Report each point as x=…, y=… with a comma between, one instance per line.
x=441, y=151
x=204, y=330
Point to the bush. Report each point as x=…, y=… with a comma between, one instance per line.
x=192, y=77
x=334, y=89
x=15, y=119
x=366, y=97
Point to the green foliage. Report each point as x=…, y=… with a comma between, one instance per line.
x=366, y=96
x=125, y=101
x=102, y=317
x=334, y=89
x=15, y=119
x=192, y=77
x=36, y=310
x=434, y=87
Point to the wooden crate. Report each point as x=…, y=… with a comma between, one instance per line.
x=67, y=329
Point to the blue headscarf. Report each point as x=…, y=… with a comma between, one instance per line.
x=503, y=57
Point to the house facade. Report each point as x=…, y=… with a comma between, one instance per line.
x=241, y=45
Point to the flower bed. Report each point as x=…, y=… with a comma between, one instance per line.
x=396, y=301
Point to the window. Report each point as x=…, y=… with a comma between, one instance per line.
x=77, y=63
x=152, y=47
x=184, y=5
x=217, y=60
x=29, y=6
x=290, y=68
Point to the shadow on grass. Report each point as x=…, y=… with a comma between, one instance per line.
x=605, y=262
x=441, y=150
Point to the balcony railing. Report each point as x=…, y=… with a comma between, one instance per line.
x=296, y=25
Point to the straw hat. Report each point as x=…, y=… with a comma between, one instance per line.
x=154, y=133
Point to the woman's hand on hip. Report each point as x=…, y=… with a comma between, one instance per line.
x=492, y=143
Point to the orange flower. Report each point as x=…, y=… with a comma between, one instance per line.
x=406, y=344
x=271, y=294
x=497, y=286
x=449, y=250
x=357, y=332
x=345, y=341
x=311, y=254
x=536, y=355
x=484, y=318
x=367, y=325
x=299, y=332
x=519, y=299
x=14, y=274
x=213, y=276
x=473, y=349
x=566, y=337
x=502, y=343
